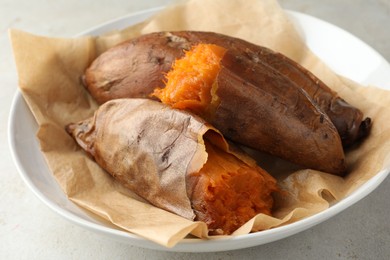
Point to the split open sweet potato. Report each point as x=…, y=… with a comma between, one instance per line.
x=263, y=99
x=177, y=162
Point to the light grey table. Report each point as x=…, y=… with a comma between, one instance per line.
x=30, y=230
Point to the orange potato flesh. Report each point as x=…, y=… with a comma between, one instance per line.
x=227, y=192
x=190, y=81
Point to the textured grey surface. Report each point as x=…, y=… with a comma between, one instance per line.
x=366, y=19
x=29, y=230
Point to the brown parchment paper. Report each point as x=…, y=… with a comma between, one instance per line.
x=49, y=72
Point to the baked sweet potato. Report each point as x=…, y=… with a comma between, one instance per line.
x=217, y=84
x=177, y=162
x=136, y=67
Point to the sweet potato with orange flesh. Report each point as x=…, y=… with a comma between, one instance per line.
x=290, y=126
x=226, y=193
x=136, y=67
x=177, y=162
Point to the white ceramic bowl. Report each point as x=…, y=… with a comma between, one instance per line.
x=337, y=53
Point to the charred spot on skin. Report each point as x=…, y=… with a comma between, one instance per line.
x=325, y=136
x=158, y=60
x=237, y=59
x=321, y=119
x=139, y=136
x=165, y=156
x=211, y=189
x=275, y=99
x=365, y=127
